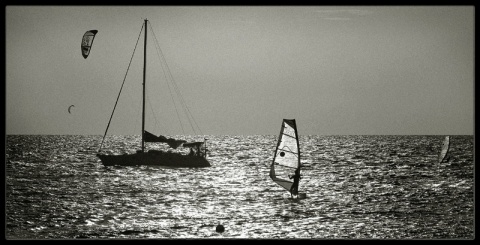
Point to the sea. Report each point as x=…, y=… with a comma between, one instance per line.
x=356, y=187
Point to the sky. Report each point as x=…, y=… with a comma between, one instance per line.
x=337, y=70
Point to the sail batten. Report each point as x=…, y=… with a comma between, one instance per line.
x=287, y=166
x=286, y=159
x=289, y=136
x=295, y=153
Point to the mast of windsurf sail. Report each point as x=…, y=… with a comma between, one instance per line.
x=298, y=150
x=144, y=80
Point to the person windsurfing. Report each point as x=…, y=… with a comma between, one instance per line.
x=296, y=178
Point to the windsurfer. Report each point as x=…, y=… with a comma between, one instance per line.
x=296, y=178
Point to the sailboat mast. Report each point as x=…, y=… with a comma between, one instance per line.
x=144, y=80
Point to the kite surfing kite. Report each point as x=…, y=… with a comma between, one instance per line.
x=87, y=42
x=70, y=108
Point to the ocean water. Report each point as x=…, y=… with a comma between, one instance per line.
x=357, y=187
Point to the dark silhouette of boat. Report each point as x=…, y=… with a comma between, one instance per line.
x=154, y=157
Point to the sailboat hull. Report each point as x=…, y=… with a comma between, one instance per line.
x=156, y=158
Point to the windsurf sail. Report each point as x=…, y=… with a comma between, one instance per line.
x=445, y=148
x=286, y=159
x=87, y=42
x=70, y=108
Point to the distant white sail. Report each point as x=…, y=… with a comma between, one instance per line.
x=445, y=148
x=287, y=155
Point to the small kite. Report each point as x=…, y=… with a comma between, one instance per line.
x=70, y=108
x=87, y=42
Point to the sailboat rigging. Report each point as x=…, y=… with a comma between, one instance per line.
x=198, y=150
x=286, y=160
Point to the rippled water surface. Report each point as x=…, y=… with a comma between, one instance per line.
x=356, y=186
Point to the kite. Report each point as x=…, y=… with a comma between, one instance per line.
x=70, y=108
x=87, y=42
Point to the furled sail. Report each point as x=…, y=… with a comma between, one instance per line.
x=194, y=144
x=149, y=137
x=287, y=155
x=87, y=42
x=444, y=151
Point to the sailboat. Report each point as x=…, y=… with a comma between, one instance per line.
x=444, y=151
x=286, y=160
x=198, y=150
